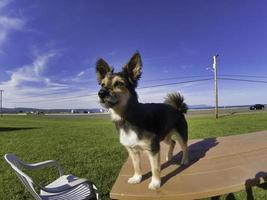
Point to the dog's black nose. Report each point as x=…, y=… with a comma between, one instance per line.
x=102, y=93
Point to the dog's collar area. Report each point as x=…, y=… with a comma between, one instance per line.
x=115, y=116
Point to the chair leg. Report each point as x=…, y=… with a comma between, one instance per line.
x=249, y=193
x=230, y=196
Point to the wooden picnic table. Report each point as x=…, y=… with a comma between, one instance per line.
x=217, y=166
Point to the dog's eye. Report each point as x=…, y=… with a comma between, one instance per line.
x=102, y=85
x=118, y=84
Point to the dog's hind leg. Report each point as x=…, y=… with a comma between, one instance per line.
x=168, y=140
x=184, y=149
x=135, y=156
x=182, y=138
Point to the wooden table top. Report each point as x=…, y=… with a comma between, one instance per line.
x=217, y=166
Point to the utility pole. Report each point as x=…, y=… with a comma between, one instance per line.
x=215, y=84
x=1, y=92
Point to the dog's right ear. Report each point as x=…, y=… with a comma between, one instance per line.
x=133, y=68
x=102, y=68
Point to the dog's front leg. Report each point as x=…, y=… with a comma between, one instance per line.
x=154, y=159
x=137, y=177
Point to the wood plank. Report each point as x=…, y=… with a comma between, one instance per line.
x=217, y=166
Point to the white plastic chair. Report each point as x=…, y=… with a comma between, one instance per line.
x=66, y=187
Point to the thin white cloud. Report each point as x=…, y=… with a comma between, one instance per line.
x=30, y=79
x=84, y=76
x=80, y=74
x=30, y=73
x=28, y=86
x=4, y=3
x=8, y=24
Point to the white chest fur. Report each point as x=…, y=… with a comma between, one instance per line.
x=130, y=139
x=114, y=115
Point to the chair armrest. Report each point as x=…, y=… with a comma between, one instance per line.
x=44, y=164
x=78, y=182
x=67, y=186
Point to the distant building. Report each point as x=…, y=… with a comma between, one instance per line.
x=74, y=111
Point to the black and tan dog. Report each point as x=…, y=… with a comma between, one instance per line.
x=142, y=126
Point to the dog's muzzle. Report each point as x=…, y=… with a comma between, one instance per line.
x=103, y=93
x=106, y=99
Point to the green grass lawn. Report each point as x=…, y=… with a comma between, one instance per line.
x=89, y=147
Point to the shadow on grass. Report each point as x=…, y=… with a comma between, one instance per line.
x=230, y=196
x=260, y=181
x=7, y=129
x=197, y=151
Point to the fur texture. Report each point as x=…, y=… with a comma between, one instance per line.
x=142, y=126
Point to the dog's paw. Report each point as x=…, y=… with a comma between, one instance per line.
x=184, y=162
x=135, y=179
x=154, y=184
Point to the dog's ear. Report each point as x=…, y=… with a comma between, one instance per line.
x=133, y=69
x=102, y=68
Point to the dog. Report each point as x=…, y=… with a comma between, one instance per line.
x=142, y=127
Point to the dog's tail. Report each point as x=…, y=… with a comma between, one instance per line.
x=177, y=101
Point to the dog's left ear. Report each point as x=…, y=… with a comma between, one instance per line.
x=133, y=69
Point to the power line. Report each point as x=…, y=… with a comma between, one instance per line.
x=236, y=75
x=176, y=77
x=149, y=80
x=199, y=76
x=159, y=85
x=140, y=88
x=93, y=94
x=244, y=80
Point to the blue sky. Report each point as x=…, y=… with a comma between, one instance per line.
x=48, y=49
